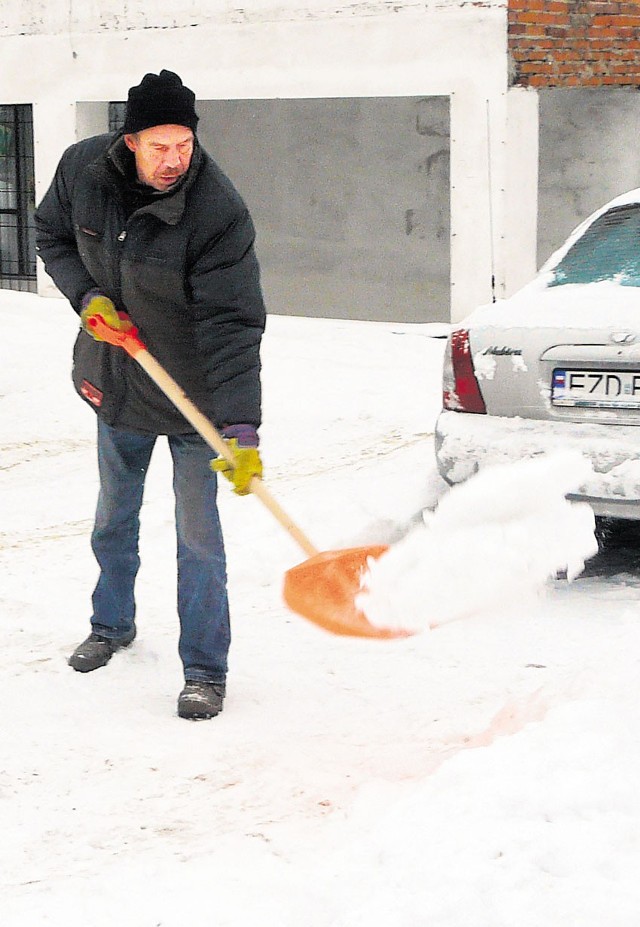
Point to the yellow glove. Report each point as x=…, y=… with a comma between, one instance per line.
x=96, y=303
x=247, y=465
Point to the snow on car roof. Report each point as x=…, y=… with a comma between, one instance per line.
x=575, y=305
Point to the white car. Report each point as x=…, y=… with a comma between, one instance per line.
x=556, y=366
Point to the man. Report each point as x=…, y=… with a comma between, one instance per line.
x=143, y=228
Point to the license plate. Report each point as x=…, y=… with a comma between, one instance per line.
x=596, y=389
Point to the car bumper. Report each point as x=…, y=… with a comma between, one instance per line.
x=466, y=443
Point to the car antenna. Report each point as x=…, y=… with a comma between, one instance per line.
x=490, y=189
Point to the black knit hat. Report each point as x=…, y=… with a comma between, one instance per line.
x=160, y=100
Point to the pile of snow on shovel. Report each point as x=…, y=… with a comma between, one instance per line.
x=501, y=535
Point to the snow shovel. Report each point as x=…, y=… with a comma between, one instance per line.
x=323, y=588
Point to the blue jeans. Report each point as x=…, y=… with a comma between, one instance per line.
x=203, y=607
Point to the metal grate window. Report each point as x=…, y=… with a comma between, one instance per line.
x=116, y=116
x=17, y=199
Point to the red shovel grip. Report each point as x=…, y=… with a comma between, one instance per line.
x=127, y=339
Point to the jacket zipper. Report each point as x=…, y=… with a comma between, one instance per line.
x=117, y=272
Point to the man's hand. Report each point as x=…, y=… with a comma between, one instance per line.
x=243, y=444
x=96, y=303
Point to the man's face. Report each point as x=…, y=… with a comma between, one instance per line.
x=163, y=154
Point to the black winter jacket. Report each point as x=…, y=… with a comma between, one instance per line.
x=183, y=267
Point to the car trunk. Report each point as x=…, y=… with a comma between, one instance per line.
x=588, y=371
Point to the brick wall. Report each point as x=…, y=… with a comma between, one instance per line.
x=574, y=43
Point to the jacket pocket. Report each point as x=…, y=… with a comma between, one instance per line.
x=98, y=376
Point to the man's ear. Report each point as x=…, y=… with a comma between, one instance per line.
x=131, y=142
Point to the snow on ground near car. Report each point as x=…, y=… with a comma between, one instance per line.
x=507, y=531
x=483, y=774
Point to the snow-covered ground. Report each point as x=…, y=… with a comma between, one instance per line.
x=480, y=773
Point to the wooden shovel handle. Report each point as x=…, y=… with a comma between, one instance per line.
x=131, y=343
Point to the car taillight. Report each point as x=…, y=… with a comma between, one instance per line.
x=460, y=390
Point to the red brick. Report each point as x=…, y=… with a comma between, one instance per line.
x=536, y=67
x=543, y=18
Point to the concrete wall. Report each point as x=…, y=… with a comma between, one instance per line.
x=82, y=54
x=350, y=198
x=588, y=155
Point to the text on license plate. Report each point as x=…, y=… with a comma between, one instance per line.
x=596, y=389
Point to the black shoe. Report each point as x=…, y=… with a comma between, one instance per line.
x=97, y=650
x=200, y=700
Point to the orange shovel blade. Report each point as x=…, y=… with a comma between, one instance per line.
x=324, y=588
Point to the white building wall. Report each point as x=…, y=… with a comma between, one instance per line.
x=62, y=56
x=48, y=18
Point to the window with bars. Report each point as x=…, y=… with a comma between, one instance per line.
x=116, y=116
x=17, y=199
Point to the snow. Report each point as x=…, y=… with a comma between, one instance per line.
x=576, y=306
x=517, y=531
x=537, y=304
x=496, y=440
x=483, y=773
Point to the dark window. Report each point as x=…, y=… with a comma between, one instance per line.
x=608, y=250
x=17, y=199
x=116, y=116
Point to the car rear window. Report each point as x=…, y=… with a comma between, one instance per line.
x=608, y=250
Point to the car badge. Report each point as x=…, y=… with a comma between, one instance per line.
x=623, y=337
